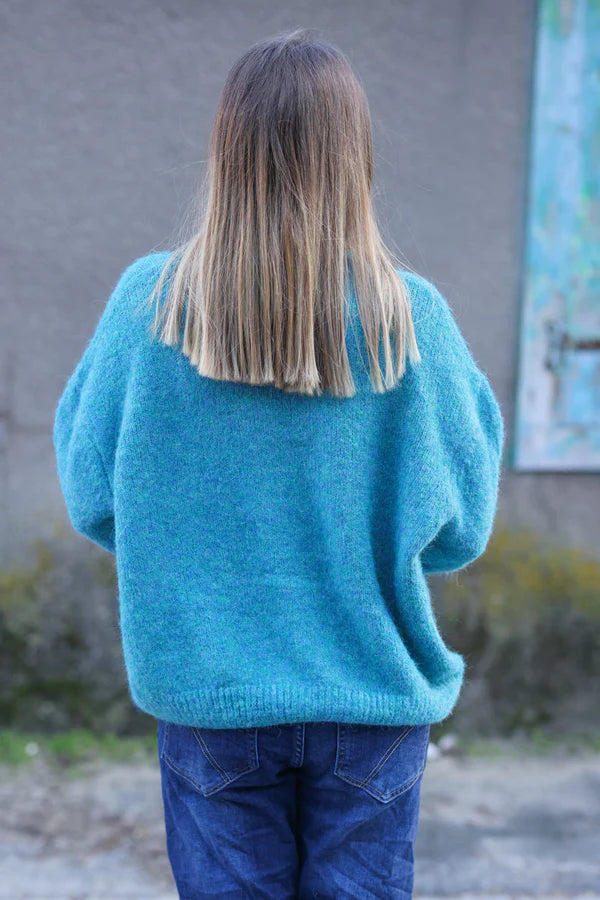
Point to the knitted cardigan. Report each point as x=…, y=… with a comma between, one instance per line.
x=272, y=548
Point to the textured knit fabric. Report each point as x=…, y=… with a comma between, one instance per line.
x=272, y=548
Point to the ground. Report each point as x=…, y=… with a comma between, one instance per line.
x=510, y=825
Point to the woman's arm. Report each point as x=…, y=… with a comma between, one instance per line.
x=462, y=442
x=84, y=480
x=87, y=417
x=472, y=467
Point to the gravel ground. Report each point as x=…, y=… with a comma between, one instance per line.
x=489, y=828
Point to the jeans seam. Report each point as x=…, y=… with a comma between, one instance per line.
x=299, y=745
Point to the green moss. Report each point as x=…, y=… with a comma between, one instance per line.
x=61, y=662
x=104, y=570
x=520, y=575
x=526, y=618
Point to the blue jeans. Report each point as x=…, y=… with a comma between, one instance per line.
x=315, y=809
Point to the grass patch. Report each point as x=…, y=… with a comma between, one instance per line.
x=73, y=748
x=535, y=743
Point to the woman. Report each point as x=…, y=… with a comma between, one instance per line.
x=279, y=433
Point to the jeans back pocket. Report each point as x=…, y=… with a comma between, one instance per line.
x=209, y=759
x=383, y=760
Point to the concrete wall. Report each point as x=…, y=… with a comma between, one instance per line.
x=107, y=112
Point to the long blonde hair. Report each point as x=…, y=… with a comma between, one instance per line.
x=262, y=283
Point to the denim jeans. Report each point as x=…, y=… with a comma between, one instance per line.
x=308, y=810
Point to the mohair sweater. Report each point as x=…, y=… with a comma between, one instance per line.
x=272, y=548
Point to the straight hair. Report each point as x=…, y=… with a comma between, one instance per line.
x=259, y=292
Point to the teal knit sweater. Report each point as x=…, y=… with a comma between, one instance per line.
x=272, y=548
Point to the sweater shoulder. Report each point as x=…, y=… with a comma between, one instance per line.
x=429, y=306
x=441, y=342
x=139, y=277
x=126, y=309
x=144, y=270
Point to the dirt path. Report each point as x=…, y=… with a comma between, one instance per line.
x=510, y=827
x=493, y=828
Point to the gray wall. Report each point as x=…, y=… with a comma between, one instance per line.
x=107, y=110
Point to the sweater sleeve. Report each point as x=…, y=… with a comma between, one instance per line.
x=471, y=490
x=85, y=485
x=466, y=422
x=87, y=418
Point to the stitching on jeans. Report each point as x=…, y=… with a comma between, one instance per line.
x=299, y=746
x=227, y=777
x=388, y=753
x=208, y=754
x=203, y=788
x=343, y=773
x=371, y=789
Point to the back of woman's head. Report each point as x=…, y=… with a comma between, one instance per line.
x=261, y=287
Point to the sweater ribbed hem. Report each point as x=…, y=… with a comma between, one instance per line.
x=247, y=706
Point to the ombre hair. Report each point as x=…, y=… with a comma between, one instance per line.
x=261, y=287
